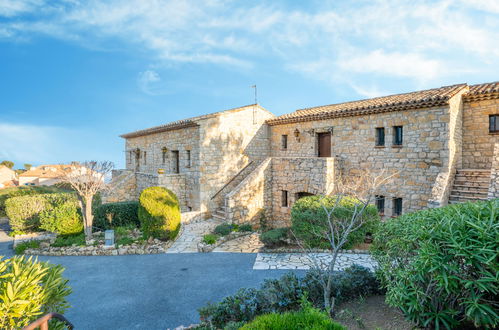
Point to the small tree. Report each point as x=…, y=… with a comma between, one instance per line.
x=358, y=188
x=7, y=163
x=87, y=179
x=27, y=167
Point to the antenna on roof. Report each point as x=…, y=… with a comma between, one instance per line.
x=255, y=104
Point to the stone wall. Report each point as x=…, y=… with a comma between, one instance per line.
x=245, y=203
x=183, y=140
x=478, y=143
x=443, y=184
x=177, y=183
x=423, y=155
x=494, y=174
x=123, y=187
x=228, y=142
x=298, y=175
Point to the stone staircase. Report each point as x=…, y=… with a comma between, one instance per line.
x=470, y=185
x=220, y=213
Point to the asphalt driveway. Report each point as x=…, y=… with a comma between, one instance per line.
x=153, y=291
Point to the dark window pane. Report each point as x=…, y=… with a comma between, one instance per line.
x=494, y=123
x=284, y=142
x=284, y=198
x=397, y=135
x=397, y=206
x=380, y=204
x=380, y=136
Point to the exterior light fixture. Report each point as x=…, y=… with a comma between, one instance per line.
x=109, y=238
x=297, y=134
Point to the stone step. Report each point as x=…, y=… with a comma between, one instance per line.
x=471, y=194
x=484, y=173
x=475, y=189
x=462, y=199
x=218, y=216
x=471, y=183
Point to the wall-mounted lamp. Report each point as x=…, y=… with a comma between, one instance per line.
x=297, y=134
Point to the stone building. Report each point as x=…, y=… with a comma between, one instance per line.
x=244, y=163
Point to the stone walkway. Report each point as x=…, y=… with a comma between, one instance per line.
x=245, y=244
x=301, y=261
x=191, y=235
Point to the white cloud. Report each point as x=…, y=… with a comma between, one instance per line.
x=407, y=65
x=15, y=7
x=146, y=80
x=426, y=42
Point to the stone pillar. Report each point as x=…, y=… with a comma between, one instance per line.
x=494, y=174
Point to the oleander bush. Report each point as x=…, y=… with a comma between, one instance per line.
x=275, y=237
x=284, y=294
x=210, y=239
x=24, y=211
x=159, y=213
x=308, y=217
x=440, y=266
x=112, y=215
x=63, y=219
x=30, y=289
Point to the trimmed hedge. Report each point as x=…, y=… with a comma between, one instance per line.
x=440, y=266
x=121, y=214
x=64, y=219
x=274, y=237
x=23, y=191
x=24, y=211
x=159, y=213
x=307, y=319
x=308, y=216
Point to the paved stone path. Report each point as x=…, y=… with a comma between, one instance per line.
x=191, y=235
x=302, y=261
x=245, y=244
x=5, y=240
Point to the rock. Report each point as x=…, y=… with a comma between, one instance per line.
x=90, y=242
x=150, y=240
x=44, y=245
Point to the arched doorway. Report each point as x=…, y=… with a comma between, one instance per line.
x=302, y=194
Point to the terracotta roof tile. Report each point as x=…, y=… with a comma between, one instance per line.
x=47, y=171
x=190, y=122
x=421, y=99
x=484, y=91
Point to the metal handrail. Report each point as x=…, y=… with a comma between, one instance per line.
x=232, y=179
x=43, y=322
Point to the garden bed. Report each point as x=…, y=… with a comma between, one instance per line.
x=223, y=233
x=128, y=241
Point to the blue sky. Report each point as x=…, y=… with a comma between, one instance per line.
x=76, y=74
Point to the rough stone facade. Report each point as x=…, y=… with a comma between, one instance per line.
x=250, y=163
x=478, y=148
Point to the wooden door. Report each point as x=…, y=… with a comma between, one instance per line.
x=176, y=161
x=324, y=144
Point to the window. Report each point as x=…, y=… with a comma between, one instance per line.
x=380, y=204
x=164, y=154
x=145, y=157
x=176, y=160
x=380, y=136
x=129, y=157
x=494, y=124
x=284, y=142
x=397, y=206
x=397, y=135
x=188, y=158
x=284, y=198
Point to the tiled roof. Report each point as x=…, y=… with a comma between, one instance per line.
x=47, y=171
x=190, y=122
x=421, y=99
x=483, y=91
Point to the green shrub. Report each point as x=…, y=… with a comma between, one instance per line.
x=210, y=239
x=21, y=247
x=308, y=216
x=23, y=191
x=223, y=229
x=69, y=240
x=159, y=213
x=274, y=237
x=63, y=219
x=30, y=289
x=24, y=211
x=285, y=294
x=112, y=215
x=307, y=319
x=440, y=266
x=245, y=227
